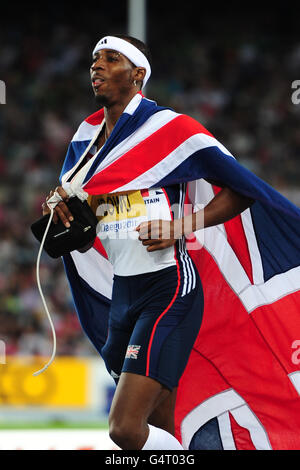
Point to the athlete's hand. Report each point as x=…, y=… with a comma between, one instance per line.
x=61, y=210
x=159, y=234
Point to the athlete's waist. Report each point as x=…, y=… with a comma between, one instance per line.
x=147, y=275
x=182, y=275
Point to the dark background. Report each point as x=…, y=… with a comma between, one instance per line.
x=230, y=66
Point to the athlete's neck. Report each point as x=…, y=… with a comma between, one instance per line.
x=113, y=112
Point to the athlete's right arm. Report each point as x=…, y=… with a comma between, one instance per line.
x=61, y=210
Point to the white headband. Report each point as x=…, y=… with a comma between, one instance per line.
x=129, y=50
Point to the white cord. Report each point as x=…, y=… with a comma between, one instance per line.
x=43, y=298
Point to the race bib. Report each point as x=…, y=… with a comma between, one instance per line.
x=122, y=212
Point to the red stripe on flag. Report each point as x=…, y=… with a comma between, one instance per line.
x=279, y=324
x=145, y=155
x=241, y=436
x=145, y=193
x=95, y=118
x=99, y=247
x=237, y=240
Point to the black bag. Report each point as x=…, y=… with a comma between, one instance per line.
x=60, y=239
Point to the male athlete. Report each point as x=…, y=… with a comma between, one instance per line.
x=157, y=298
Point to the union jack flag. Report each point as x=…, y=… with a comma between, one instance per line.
x=241, y=386
x=132, y=351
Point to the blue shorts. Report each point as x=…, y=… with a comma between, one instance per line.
x=152, y=327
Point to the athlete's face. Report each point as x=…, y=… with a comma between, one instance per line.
x=112, y=77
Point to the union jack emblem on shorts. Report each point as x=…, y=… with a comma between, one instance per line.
x=132, y=351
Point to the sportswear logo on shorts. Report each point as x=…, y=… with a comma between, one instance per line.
x=132, y=351
x=114, y=375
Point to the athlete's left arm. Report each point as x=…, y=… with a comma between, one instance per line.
x=160, y=234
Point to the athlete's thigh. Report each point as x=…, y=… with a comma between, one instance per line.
x=163, y=414
x=135, y=398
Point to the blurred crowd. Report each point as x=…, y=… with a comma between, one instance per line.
x=241, y=91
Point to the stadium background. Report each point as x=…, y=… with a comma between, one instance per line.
x=231, y=68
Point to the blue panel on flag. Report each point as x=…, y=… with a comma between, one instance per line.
x=75, y=151
x=277, y=237
x=89, y=306
x=207, y=437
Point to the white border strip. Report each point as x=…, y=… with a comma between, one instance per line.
x=217, y=245
x=295, y=379
x=256, y=262
x=245, y=417
x=276, y=288
x=226, y=432
x=86, y=131
x=89, y=265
